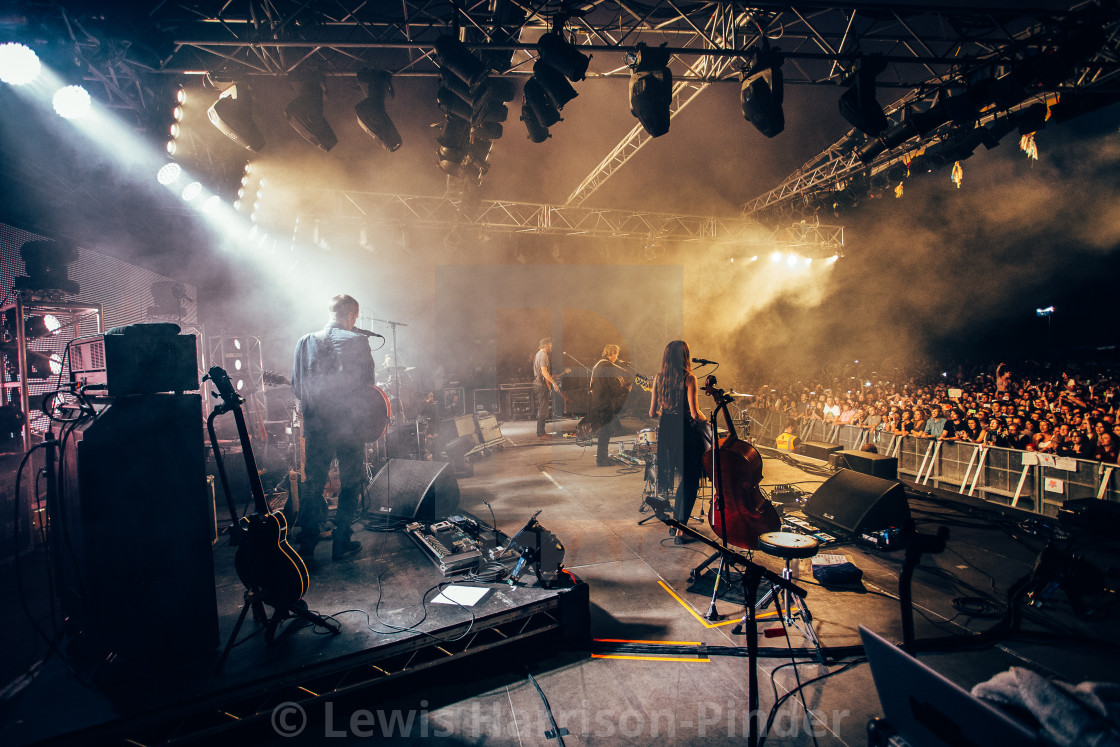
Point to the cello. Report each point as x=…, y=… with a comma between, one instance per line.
x=740, y=513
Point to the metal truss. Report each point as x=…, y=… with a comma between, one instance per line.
x=504, y=216
x=128, y=52
x=840, y=164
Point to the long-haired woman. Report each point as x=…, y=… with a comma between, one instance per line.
x=680, y=446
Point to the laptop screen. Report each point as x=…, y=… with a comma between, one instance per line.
x=927, y=710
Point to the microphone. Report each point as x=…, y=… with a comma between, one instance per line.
x=366, y=332
x=705, y=362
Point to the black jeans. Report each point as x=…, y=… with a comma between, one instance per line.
x=542, y=398
x=612, y=428
x=324, y=444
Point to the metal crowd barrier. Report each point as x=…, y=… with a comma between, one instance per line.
x=1009, y=477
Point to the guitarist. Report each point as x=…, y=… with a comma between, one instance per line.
x=609, y=387
x=331, y=376
x=543, y=385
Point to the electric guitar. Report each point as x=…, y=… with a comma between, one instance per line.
x=265, y=562
x=381, y=411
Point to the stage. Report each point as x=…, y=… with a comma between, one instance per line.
x=655, y=670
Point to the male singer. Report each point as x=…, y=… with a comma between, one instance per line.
x=332, y=377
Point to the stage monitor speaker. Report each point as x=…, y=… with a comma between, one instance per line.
x=876, y=465
x=818, y=449
x=413, y=490
x=854, y=503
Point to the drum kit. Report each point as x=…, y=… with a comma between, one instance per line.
x=403, y=391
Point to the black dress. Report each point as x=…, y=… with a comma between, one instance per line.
x=680, y=449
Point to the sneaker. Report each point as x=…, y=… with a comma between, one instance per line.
x=342, y=551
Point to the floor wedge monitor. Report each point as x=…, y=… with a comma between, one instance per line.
x=853, y=503
x=406, y=489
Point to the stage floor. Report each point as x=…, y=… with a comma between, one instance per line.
x=638, y=579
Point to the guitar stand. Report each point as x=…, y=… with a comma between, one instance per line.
x=270, y=624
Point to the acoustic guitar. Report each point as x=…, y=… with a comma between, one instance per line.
x=265, y=562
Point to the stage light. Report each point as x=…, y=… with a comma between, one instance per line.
x=372, y=116
x=168, y=297
x=776, y=257
x=19, y=65
x=305, y=112
x=210, y=206
x=453, y=144
x=651, y=89
x=34, y=327
x=858, y=104
x=43, y=365
x=37, y=326
x=538, y=133
x=545, y=113
x=72, y=102
x=181, y=96
x=457, y=59
x=563, y=56
x=792, y=260
x=191, y=191
x=232, y=114
x=761, y=91
x=169, y=173
x=47, y=266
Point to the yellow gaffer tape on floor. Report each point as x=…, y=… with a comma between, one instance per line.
x=701, y=620
x=649, y=657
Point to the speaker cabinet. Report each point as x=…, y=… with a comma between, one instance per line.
x=133, y=514
x=853, y=503
x=865, y=462
x=413, y=490
x=818, y=449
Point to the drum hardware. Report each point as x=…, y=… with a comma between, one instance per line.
x=752, y=576
x=793, y=611
x=647, y=448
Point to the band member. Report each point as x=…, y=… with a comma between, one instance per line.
x=332, y=376
x=680, y=446
x=609, y=388
x=543, y=384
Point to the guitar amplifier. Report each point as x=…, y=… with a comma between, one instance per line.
x=140, y=359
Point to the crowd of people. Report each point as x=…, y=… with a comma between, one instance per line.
x=1071, y=414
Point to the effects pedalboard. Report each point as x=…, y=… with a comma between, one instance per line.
x=454, y=544
x=803, y=527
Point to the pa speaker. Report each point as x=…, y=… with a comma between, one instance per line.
x=411, y=490
x=136, y=569
x=876, y=465
x=818, y=449
x=854, y=503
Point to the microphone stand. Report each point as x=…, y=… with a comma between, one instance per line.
x=753, y=574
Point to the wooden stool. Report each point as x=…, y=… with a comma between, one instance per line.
x=788, y=546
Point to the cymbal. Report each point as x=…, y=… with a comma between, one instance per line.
x=739, y=394
x=398, y=369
